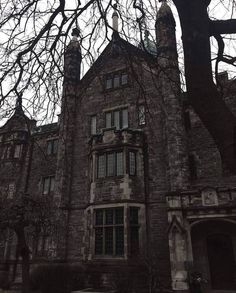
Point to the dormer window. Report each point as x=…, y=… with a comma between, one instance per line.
x=117, y=119
x=116, y=80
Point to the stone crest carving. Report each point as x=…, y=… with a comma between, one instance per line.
x=209, y=197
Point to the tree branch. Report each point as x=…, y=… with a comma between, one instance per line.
x=218, y=27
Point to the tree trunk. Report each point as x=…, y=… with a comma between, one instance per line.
x=25, y=254
x=202, y=91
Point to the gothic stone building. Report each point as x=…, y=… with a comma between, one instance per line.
x=138, y=176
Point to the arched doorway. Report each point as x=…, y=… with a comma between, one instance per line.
x=214, y=254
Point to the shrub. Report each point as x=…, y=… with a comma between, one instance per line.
x=4, y=279
x=60, y=278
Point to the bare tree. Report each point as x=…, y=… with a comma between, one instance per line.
x=35, y=34
x=26, y=217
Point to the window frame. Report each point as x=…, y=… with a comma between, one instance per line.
x=113, y=228
x=19, y=147
x=114, y=166
x=116, y=76
x=6, y=152
x=131, y=230
x=130, y=151
x=51, y=179
x=93, y=124
x=53, y=149
x=121, y=116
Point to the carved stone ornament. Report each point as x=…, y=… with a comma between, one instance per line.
x=209, y=197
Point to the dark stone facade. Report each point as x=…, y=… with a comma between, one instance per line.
x=167, y=171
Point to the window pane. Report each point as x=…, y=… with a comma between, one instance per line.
x=46, y=184
x=93, y=125
x=108, y=83
x=99, y=217
x=119, y=232
x=55, y=146
x=125, y=118
x=132, y=163
x=119, y=164
x=108, y=120
x=11, y=190
x=98, y=240
x=116, y=80
x=117, y=119
x=110, y=164
x=109, y=216
x=101, y=166
x=6, y=152
x=109, y=240
x=49, y=147
x=52, y=183
x=17, y=151
x=119, y=216
x=141, y=115
x=124, y=78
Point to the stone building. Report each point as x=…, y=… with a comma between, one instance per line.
x=138, y=177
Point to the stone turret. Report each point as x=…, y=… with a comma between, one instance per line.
x=165, y=31
x=73, y=58
x=69, y=110
x=170, y=82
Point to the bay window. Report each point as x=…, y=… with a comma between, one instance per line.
x=110, y=164
x=116, y=228
x=113, y=164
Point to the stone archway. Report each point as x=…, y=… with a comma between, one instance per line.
x=214, y=254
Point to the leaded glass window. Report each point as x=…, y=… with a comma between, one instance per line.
x=119, y=164
x=117, y=119
x=48, y=184
x=110, y=164
x=124, y=78
x=109, y=231
x=93, y=125
x=101, y=166
x=132, y=163
x=116, y=80
x=108, y=120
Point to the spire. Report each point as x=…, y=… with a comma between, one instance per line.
x=165, y=29
x=75, y=33
x=115, y=18
x=165, y=14
x=18, y=107
x=74, y=43
x=73, y=58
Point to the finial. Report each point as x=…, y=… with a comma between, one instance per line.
x=18, y=107
x=75, y=33
x=115, y=18
x=146, y=34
